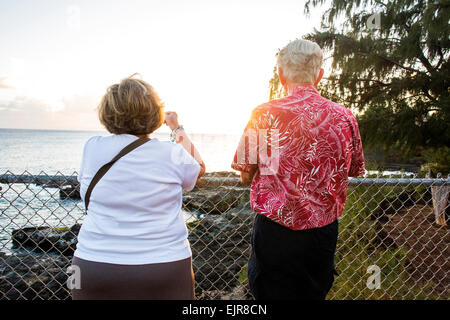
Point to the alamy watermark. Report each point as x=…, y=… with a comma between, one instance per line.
x=374, y=21
x=74, y=280
x=374, y=280
x=259, y=147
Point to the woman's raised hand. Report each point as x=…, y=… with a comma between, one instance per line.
x=171, y=119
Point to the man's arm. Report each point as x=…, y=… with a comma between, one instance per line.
x=357, y=166
x=247, y=177
x=246, y=157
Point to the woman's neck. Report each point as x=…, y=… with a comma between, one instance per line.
x=142, y=135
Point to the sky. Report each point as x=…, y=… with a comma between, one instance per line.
x=210, y=61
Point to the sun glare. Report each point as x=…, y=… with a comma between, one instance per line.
x=212, y=71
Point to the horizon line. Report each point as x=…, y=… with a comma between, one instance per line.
x=105, y=131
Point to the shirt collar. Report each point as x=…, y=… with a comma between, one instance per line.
x=302, y=88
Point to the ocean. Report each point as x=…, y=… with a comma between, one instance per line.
x=59, y=152
x=55, y=151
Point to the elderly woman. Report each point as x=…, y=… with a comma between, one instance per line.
x=133, y=241
x=297, y=152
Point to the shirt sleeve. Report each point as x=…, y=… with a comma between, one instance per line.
x=83, y=159
x=357, y=167
x=246, y=155
x=188, y=166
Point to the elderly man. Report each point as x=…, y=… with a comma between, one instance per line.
x=297, y=152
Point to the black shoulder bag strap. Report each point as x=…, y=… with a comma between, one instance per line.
x=101, y=172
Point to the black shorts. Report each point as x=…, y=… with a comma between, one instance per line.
x=287, y=264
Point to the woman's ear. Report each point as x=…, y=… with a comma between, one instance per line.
x=319, y=77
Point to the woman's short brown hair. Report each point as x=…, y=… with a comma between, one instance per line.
x=132, y=107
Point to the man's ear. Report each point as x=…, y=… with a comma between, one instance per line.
x=281, y=77
x=319, y=77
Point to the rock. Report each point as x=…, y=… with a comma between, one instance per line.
x=220, y=246
x=45, y=239
x=217, y=182
x=51, y=184
x=241, y=292
x=26, y=276
x=216, y=193
x=75, y=228
x=394, y=204
x=240, y=214
x=70, y=192
x=221, y=174
x=210, y=295
x=216, y=200
x=28, y=237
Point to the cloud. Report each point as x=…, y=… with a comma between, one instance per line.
x=78, y=113
x=4, y=84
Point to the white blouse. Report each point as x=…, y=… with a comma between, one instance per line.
x=134, y=214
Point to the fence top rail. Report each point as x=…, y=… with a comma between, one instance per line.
x=61, y=180
x=400, y=181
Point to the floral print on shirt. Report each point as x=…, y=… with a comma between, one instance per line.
x=303, y=148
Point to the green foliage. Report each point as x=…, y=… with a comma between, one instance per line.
x=356, y=251
x=242, y=276
x=194, y=225
x=373, y=165
x=397, y=76
x=437, y=160
x=276, y=89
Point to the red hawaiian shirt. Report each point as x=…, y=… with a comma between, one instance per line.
x=303, y=148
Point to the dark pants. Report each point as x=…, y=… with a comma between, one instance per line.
x=161, y=281
x=287, y=264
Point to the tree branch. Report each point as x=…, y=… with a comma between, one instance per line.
x=374, y=80
x=425, y=61
x=400, y=65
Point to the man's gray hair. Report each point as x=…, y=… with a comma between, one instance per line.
x=300, y=61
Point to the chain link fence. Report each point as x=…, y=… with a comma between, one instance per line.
x=393, y=237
